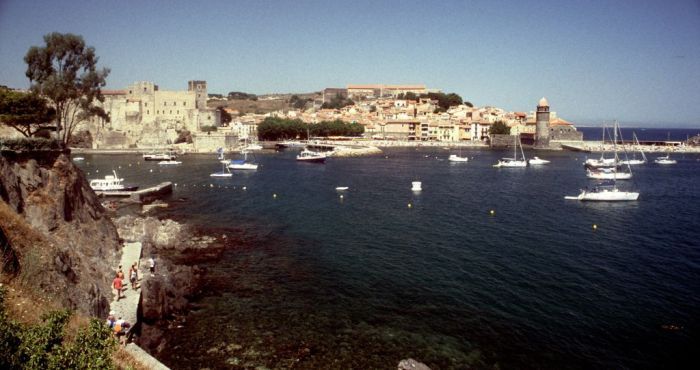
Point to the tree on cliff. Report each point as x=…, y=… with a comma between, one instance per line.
x=26, y=113
x=65, y=72
x=225, y=116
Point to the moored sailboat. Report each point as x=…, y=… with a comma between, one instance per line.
x=513, y=162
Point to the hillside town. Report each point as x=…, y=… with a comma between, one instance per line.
x=142, y=116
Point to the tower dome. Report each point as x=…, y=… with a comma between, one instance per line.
x=543, y=102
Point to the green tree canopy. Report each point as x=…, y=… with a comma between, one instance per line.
x=65, y=72
x=445, y=101
x=337, y=102
x=25, y=112
x=499, y=128
x=274, y=128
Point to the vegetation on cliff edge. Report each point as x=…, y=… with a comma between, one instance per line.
x=46, y=345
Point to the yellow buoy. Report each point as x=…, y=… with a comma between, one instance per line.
x=492, y=212
x=244, y=188
x=274, y=195
x=595, y=227
x=341, y=196
x=410, y=205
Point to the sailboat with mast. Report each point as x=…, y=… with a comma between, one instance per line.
x=608, y=192
x=513, y=162
x=243, y=164
x=635, y=160
x=602, y=162
x=666, y=159
x=458, y=158
x=613, y=172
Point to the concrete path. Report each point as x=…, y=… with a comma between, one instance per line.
x=128, y=306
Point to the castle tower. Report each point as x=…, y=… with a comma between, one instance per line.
x=200, y=88
x=542, y=121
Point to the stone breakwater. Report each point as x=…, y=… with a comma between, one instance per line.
x=346, y=151
x=643, y=148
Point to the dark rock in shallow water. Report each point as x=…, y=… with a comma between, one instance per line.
x=411, y=364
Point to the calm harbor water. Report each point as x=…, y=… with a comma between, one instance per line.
x=364, y=281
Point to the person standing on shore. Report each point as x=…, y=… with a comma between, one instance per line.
x=133, y=276
x=152, y=265
x=117, y=285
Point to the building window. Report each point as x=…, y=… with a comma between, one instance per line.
x=157, y=112
x=178, y=112
x=171, y=111
x=184, y=103
x=144, y=89
x=148, y=111
x=165, y=103
x=145, y=104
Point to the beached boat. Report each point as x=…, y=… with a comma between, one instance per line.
x=513, y=162
x=537, y=161
x=111, y=183
x=307, y=155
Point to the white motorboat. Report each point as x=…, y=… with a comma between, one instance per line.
x=665, y=160
x=307, y=155
x=513, y=162
x=416, y=186
x=111, y=183
x=456, y=158
x=341, y=188
x=242, y=164
x=169, y=162
x=605, y=193
x=159, y=156
x=608, y=174
x=78, y=159
x=537, y=161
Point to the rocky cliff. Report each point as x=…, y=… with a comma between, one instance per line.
x=59, y=240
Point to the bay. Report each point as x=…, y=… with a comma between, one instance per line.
x=314, y=280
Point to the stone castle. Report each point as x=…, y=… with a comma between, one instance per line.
x=143, y=116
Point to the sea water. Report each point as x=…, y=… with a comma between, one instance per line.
x=484, y=266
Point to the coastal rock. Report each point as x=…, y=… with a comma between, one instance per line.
x=411, y=364
x=64, y=244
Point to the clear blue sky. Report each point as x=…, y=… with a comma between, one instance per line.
x=636, y=61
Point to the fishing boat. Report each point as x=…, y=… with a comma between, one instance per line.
x=513, y=162
x=242, y=164
x=537, y=161
x=307, y=155
x=416, y=186
x=111, y=183
x=78, y=159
